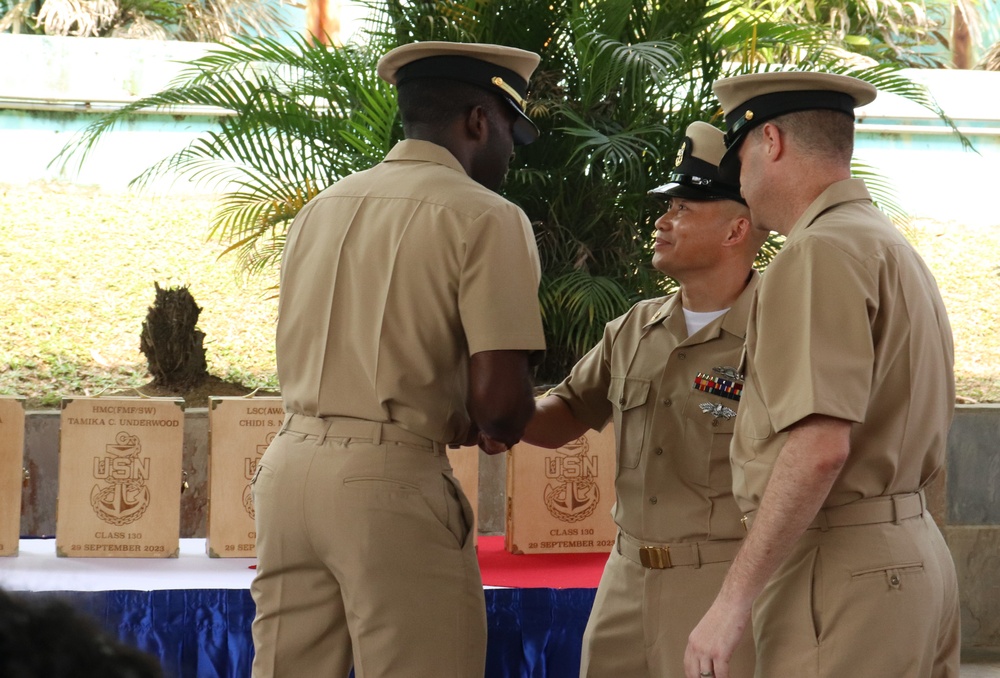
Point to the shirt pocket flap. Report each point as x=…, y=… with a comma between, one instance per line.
x=628, y=392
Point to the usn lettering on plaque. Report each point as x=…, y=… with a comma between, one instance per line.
x=239, y=431
x=559, y=501
x=11, y=465
x=465, y=467
x=120, y=477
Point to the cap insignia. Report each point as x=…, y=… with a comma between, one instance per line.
x=680, y=153
x=748, y=115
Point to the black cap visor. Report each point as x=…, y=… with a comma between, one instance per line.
x=691, y=187
x=729, y=166
x=523, y=130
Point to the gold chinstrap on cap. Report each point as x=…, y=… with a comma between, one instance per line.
x=511, y=92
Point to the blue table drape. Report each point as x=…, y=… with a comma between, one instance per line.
x=205, y=633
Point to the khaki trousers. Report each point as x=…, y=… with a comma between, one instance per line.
x=869, y=601
x=641, y=620
x=364, y=559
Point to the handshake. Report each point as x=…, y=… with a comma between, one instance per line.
x=486, y=443
x=491, y=445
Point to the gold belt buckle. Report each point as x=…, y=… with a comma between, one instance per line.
x=655, y=557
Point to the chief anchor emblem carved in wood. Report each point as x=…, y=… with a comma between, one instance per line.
x=124, y=496
x=249, y=468
x=572, y=494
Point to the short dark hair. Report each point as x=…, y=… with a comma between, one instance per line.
x=41, y=635
x=820, y=133
x=431, y=104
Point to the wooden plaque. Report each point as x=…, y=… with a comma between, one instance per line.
x=239, y=431
x=120, y=477
x=11, y=469
x=465, y=467
x=559, y=501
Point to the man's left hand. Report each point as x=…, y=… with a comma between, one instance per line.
x=712, y=643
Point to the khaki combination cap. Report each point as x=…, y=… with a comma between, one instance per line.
x=751, y=100
x=505, y=71
x=696, y=175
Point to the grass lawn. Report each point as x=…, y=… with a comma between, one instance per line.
x=78, y=267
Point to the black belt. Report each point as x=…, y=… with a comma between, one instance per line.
x=891, y=509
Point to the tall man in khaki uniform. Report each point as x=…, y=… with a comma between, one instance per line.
x=666, y=373
x=848, y=399
x=409, y=308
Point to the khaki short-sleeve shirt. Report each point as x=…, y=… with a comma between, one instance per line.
x=848, y=322
x=673, y=399
x=390, y=280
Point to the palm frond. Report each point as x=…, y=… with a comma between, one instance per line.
x=18, y=18
x=575, y=306
x=883, y=192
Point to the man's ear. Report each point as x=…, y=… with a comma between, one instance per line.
x=739, y=230
x=774, y=140
x=477, y=123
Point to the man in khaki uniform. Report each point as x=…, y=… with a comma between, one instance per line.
x=409, y=308
x=666, y=373
x=848, y=399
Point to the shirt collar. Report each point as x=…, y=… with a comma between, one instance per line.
x=423, y=151
x=848, y=190
x=734, y=321
x=668, y=308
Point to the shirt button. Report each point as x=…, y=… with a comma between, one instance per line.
x=894, y=580
x=659, y=450
x=621, y=401
x=715, y=422
x=682, y=356
x=652, y=500
x=667, y=402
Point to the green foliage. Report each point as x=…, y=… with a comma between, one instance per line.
x=197, y=20
x=619, y=82
x=910, y=33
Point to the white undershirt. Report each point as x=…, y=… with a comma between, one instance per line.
x=696, y=320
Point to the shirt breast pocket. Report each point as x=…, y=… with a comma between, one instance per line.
x=708, y=432
x=628, y=395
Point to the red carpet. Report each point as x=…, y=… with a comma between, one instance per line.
x=538, y=570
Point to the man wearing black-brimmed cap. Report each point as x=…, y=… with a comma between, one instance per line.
x=407, y=319
x=666, y=373
x=849, y=395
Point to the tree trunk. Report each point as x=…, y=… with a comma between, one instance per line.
x=171, y=341
x=961, y=40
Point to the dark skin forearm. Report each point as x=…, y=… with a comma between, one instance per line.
x=500, y=395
